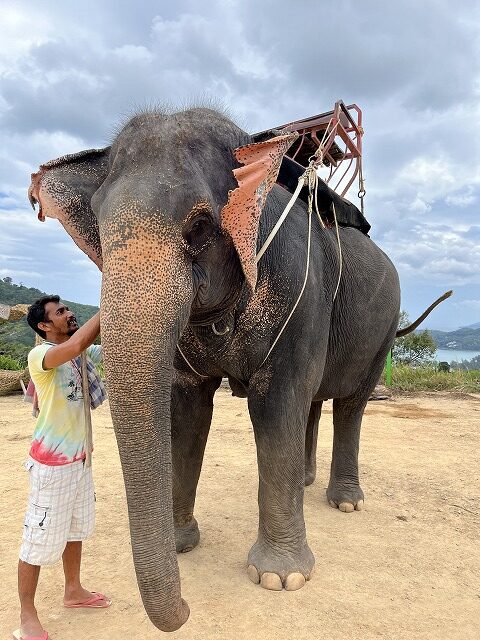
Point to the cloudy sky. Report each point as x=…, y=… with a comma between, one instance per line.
x=71, y=71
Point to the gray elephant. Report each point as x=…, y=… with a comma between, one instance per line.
x=173, y=213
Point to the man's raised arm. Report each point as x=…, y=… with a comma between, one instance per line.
x=73, y=347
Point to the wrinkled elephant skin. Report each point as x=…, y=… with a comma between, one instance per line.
x=173, y=213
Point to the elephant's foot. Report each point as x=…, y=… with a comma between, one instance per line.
x=187, y=536
x=277, y=569
x=345, y=497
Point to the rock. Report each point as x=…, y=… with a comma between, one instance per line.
x=381, y=393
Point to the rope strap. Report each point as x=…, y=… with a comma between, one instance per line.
x=86, y=410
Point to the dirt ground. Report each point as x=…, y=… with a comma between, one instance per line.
x=406, y=567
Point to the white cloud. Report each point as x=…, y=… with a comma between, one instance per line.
x=132, y=53
x=471, y=304
x=419, y=205
x=461, y=199
x=18, y=274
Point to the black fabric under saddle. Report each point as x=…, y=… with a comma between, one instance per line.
x=348, y=215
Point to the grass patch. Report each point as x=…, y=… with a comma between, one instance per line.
x=9, y=363
x=405, y=378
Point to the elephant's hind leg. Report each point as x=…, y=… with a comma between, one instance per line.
x=192, y=408
x=311, y=437
x=344, y=491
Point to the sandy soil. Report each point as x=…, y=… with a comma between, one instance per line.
x=406, y=567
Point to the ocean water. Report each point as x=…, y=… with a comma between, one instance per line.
x=448, y=355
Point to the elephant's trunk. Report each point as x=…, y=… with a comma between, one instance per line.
x=146, y=296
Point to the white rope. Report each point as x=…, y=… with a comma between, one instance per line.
x=301, y=292
x=319, y=152
x=322, y=224
x=191, y=366
x=286, y=211
x=340, y=258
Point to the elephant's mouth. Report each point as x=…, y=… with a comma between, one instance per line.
x=33, y=195
x=205, y=311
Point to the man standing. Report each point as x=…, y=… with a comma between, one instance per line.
x=61, y=511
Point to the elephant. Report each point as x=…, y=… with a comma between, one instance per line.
x=173, y=213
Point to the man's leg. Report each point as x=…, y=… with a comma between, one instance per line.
x=81, y=528
x=32, y=552
x=27, y=585
x=72, y=557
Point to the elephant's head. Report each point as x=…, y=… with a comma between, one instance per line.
x=171, y=218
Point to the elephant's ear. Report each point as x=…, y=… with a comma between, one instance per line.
x=64, y=188
x=241, y=215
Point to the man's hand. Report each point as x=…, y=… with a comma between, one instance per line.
x=73, y=347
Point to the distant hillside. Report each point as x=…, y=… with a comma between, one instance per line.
x=472, y=326
x=466, y=338
x=19, y=331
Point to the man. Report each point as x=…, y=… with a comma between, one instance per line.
x=60, y=512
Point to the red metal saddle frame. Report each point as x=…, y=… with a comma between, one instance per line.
x=339, y=133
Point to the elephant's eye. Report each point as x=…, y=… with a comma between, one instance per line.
x=198, y=226
x=199, y=232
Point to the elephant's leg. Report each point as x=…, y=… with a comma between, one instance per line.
x=192, y=407
x=344, y=490
x=281, y=557
x=311, y=437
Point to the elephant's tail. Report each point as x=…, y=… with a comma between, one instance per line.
x=414, y=325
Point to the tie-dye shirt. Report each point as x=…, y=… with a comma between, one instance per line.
x=59, y=436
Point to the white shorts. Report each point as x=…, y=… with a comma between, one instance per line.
x=61, y=509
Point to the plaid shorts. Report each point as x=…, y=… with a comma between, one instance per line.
x=61, y=509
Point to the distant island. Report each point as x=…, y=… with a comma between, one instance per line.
x=466, y=338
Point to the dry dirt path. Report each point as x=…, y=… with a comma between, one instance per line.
x=407, y=567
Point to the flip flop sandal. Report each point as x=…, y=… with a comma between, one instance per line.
x=97, y=601
x=18, y=636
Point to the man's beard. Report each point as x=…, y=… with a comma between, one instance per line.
x=71, y=331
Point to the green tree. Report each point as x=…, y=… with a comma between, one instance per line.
x=467, y=365
x=414, y=348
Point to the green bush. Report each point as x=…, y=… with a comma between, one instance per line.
x=428, y=378
x=6, y=362
x=15, y=350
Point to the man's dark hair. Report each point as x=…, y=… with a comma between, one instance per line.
x=36, y=313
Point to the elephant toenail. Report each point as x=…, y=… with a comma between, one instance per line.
x=252, y=573
x=347, y=507
x=294, y=581
x=359, y=505
x=271, y=581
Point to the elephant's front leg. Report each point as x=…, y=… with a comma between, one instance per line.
x=192, y=408
x=281, y=557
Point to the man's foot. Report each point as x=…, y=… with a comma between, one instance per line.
x=80, y=597
x=30, y=626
